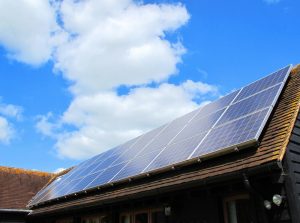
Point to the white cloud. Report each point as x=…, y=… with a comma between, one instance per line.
x=6, y=131
x=9, y=110
x=8, y=113
x=97, y=44
x=118, y=42
x=44, y=126
x=28, y=30
x=104, y=120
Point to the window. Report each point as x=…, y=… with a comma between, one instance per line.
x=237, y=209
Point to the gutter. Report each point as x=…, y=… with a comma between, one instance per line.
x=266, y=168
x=25, y=211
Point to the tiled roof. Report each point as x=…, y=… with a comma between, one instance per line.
x=271, y=150
x=18, y=186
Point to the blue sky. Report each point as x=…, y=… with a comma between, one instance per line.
x=85, y=76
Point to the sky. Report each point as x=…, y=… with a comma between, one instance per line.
x=80, y=77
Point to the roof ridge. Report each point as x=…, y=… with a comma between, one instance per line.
x=296, y=69
x=15, y=170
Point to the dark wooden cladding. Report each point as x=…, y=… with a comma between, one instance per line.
x=270, y=151
x=292, y=170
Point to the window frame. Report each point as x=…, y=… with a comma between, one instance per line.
x=231, y=198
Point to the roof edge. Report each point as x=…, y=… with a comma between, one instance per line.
x=294, y=71
x=14, y=170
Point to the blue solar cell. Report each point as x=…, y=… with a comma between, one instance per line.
x=254, y=103
x=169, y=133
x=139, y=146
x=62, y=191
x=89, y=169
x=106, y=175
x=216, y=105
x=83, y=182
x=136, y=166
x=233, y=133
x=102, y=162
x=264, y=83
x=54, y=192
x=198, y=126
x=125, y=146
x=175, y=153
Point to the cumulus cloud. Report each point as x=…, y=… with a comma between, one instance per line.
x=45, y=126
x=97, y=44
x=8, y=113
x=6, y=131
x=9, y=110
x=28, y=30
x=118, y=42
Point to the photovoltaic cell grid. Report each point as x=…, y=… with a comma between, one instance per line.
x=231, y=121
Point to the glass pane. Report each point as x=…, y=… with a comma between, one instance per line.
x=141, y=218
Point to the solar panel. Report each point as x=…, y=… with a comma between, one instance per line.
x=136, y=166
x=217, y=105
x=199, y=125
x=174, y=153
x=232, y=134
x=106, y=176
x=235, y=120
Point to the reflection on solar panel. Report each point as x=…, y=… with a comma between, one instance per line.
x=233, y=121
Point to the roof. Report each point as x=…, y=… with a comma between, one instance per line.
x=272, y=148
x=19, y=185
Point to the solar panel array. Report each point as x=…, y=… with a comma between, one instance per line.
x=234, y=120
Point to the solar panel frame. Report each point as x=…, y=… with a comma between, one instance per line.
x=258, y=134
x=275, y=100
